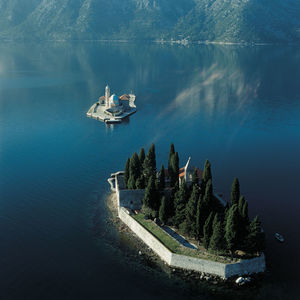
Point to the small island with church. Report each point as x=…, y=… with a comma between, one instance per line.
x=112, y=109
x=176, y=212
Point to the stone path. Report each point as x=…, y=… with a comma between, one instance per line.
x=178, y=237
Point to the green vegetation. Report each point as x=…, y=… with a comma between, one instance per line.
x=206, y=20
x=235, y=192
x=192, y=207
x=207, y=231
x=126, y=173
x=173, y=166
x=191, y=212
x=172, y=244
x=180, y=201
x=163, y=210
x=159, y=233
x=162, y=180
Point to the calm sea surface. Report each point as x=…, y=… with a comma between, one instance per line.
x=237, y=106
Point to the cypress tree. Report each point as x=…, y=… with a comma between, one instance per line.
x=176, y=166
x=180, y=201
x=206, y=176
x=195, y=179
x=163, y=210
x=140, y=183
x=217, y=242
x=171, y=202
x=142, y=156
x=207, y=230
x=131, y=185
x=161, y=179
x=191, y=213
x=244, y=220
x=134, y=168
x=171, y=153
x=235, y=192
x=149, y=165
x=232, y=228
x=241, y=204
x=200, y=216
x=245, y=213
x=150, y=199
x=173, y=169
x=256, y=237
x=126, y=173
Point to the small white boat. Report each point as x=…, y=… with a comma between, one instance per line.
x=279, y=237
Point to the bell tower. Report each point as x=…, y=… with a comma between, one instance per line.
x=107, y=95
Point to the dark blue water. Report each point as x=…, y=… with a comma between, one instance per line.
x=237, y=106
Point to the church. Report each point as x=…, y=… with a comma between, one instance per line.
x=112, y=109
x=114, y=105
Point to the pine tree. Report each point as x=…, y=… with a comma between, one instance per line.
x=161, y=179
x=163, y=210
x=217, y=241
x=191, y=212
x=180, y=201
x=256, y=237
x=232, y=228
x=149, y=165
x=235, y=192
x=206, y=176
x=207, y=230
x=126, y=173
x=142, y=156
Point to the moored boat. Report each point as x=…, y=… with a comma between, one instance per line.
x=279, y=237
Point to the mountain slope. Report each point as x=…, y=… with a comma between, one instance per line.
x=212, y=20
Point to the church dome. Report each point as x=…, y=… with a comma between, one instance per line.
x=114, y=100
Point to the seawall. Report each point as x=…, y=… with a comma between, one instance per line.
x=242, y=267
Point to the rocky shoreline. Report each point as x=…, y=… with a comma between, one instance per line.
x=148, y=256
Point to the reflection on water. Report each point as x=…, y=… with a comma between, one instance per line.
x=237, y=106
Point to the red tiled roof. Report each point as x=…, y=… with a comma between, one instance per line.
x=124, y=97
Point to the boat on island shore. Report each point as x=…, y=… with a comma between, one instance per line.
x=279, y=237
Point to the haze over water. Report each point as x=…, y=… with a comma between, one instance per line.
x=237, y=106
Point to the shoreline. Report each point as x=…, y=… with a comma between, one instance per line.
x=144, y=250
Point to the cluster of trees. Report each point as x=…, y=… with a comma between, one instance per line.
x=139, y=169
x=194, y=209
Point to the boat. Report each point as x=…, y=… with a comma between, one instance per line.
x=279, y=237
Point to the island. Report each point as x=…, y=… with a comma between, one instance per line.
x=176, y=213
x=111, y=108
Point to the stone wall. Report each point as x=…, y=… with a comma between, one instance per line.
x=198, y=264
x=163, y=252
x=247, y=266
x=132, y=199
